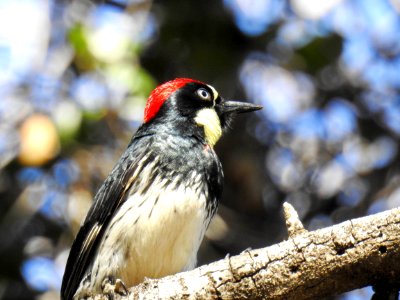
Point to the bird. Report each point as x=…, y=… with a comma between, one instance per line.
x=150, y=214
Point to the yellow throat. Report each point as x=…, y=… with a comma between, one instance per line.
x=209, y=120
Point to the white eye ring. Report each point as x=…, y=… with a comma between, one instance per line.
x=203, y=94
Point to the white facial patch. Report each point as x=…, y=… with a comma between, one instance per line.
x=215, y=93
x=209, y=120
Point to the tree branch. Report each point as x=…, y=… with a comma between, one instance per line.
x=329, y=261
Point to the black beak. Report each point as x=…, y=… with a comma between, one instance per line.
x=229, y=107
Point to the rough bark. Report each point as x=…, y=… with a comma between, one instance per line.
x=309, y=265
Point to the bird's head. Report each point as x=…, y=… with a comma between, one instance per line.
x=193, y=105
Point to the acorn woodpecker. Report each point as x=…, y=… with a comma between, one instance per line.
x=150, y=215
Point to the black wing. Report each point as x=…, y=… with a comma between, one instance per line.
x=106, y=202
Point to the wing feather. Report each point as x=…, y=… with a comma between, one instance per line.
x=110, y=196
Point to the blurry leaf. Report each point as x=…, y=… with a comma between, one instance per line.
x=145, y=82
x=137, y=79
x=321, y=52
x=94, y=115
x=68, y=118
x=77, y=36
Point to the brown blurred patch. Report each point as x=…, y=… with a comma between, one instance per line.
x=39, y=140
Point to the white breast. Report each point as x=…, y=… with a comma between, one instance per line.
x=154, y=235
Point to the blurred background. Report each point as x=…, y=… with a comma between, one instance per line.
x=75, y=75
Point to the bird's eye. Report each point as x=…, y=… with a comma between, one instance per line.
x=203, y=94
